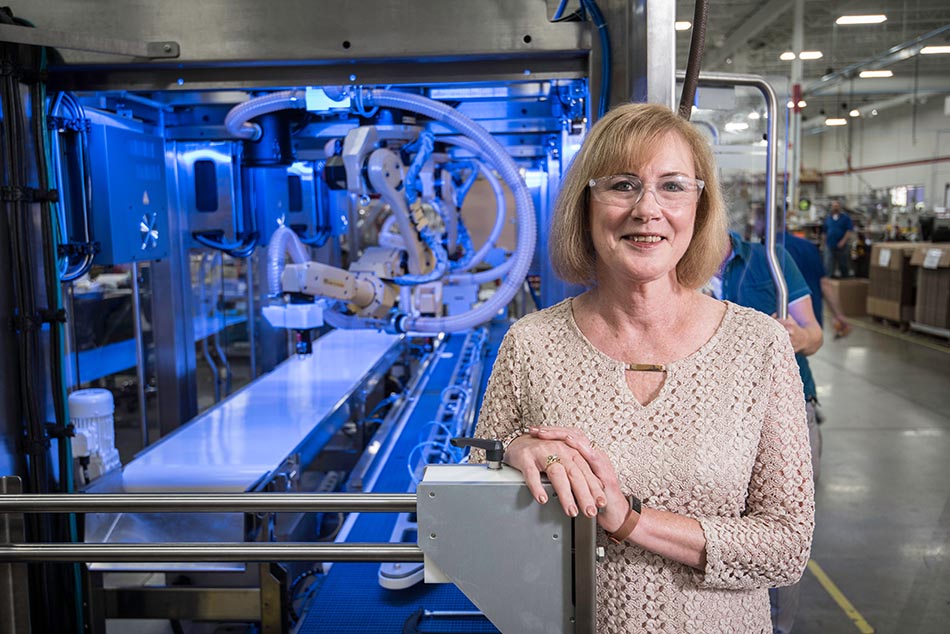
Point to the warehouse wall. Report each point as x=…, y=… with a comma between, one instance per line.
x=888, y=138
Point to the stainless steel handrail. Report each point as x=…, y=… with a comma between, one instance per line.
x=210, y=551
x=728, y=80
x=208, y=502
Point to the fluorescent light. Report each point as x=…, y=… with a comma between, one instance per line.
x=682, y=25
x=736, y=126
x=810, y=55
x=861, y=19
x=874, y=112
x=790, y=104
x=787, y=56
x=836, y=121
x=802, y=103
x=870, y=74
x=934, y=50
x=754, y=116
x=854, y=113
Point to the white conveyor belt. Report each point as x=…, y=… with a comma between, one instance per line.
x=232, y=445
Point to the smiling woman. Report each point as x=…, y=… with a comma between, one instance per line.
x=674, y=419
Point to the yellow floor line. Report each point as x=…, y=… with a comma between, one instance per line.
x=842, y=601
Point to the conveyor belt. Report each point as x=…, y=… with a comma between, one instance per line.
x=234, y=444
x=351, y=601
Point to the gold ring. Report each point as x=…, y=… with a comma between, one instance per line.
x=551, y=460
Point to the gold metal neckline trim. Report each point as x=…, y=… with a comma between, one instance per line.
x=646, y=367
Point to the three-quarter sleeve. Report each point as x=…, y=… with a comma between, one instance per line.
x=769, y=544
x=501, y=412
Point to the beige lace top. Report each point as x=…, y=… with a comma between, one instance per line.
x=724, y=442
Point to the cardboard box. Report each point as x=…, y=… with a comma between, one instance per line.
x=932, y=307
x=852, y=296
x=892, y=281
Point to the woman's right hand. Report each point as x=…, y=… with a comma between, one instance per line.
x=576, y=486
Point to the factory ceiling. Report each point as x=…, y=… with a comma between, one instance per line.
x=750, y=36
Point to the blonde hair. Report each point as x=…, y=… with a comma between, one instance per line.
x=626, y=138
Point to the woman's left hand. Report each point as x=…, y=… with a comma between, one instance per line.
x=614, y=512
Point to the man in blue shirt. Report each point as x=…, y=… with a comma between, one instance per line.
x=837, y=240
x=745, y=279
x=808, y=259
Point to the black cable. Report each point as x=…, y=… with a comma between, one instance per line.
x=697, y=45
x=19, y=219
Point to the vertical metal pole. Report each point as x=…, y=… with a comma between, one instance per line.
x=139, y=352
x=798, y=43
x=771, y=215
x=14, y=586
x=251, y=323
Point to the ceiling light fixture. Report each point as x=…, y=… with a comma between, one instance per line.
x=790, y=104
x=787, y=56
x=861, y=19
x=682, y=25
x=854, y=113
x=836, y=121
x=754, y=115
x=871, y=74
x=736, y=126
x=934, y=50
x=802, y=103
x=810, y=55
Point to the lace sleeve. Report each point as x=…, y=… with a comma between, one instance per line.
x=501, y=413
x=770, y=543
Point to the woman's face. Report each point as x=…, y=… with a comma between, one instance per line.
x=645, y=242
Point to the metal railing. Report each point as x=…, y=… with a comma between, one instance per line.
x=12, y=504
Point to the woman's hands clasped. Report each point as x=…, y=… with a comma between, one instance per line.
x=580, y=473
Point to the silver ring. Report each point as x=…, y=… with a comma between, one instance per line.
x=551, y=460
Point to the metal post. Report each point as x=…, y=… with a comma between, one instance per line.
x=251, y=318
x=14, y=586
x=139, y=352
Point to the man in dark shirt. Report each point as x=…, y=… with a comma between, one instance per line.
x=837, y=240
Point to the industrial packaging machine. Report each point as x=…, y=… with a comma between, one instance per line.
x=289, y=239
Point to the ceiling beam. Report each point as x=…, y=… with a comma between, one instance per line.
x=766, y=15
x=892, y=55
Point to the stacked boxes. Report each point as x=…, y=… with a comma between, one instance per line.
x=933, y=285
x=852, y=296
x=892, y=281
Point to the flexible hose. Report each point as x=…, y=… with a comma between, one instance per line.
x=237, y=119
x=697, y=44
x=501, y=205
x=482, y=276
x=284, y=240
x=527, y=228
x=441, y=263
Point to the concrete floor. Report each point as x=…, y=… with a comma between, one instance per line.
x=882, y=532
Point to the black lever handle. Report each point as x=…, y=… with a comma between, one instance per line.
x=494, y=450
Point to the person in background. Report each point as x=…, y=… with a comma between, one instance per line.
x=745, y=278
x=680, y=417
x=838, y=230
x=808, y=259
